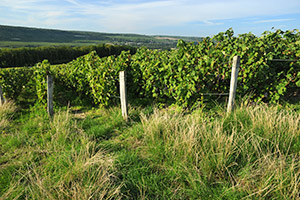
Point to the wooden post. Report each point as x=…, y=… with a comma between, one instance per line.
x=233, y=82
x=123, y=95
x=2, y=100
x=50, y=96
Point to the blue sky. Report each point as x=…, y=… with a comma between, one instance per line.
x=153, y=17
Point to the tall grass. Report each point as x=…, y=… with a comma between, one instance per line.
x=253, y=152
x=54, y=160
x=6, y=112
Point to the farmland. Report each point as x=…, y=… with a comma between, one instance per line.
x=177, y=144
x=17, y=37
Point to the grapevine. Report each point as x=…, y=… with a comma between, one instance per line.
x=182, y=75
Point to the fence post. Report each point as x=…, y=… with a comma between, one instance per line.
x=233, y=82
x=123, y=95
x=2, y=100
x=50, y=96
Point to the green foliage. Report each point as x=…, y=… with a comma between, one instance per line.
x=28, y=56
x=15, y=81
x=181, y=76
x=94, y=77
x=40, y=77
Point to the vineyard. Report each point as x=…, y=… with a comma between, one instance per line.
x=270, y=71
x=175, y=144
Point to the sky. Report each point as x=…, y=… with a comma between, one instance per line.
x=153, y=17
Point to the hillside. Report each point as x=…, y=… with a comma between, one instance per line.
x=11, y=37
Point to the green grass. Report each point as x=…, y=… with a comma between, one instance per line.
x=18, y=44
x=56, y=160
x=252, y=153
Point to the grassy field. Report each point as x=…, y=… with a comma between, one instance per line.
x=91, y=153
x=15, y=44
x=12, y=37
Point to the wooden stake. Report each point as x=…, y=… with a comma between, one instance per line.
x=2, y=100
x=123, y=95
x=50, y=96
x=233, y=83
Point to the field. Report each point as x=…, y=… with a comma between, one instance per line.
x=177, y=144
x=12, y=37
x=85, y=153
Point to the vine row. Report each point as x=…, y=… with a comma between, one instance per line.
x=180, y=76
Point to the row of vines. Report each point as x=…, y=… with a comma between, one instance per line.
x=179, y=76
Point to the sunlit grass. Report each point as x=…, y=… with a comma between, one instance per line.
x=6, y=112
x=54, y=160
x=252, y=153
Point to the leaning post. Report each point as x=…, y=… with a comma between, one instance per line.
x=123, y=95
x=233, y=83
x=2, y=100
x=50, y=96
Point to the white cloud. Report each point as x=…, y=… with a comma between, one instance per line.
x=142, y=16
x=133, y=17
x=74, y=2
x=273, y=20
x=210, y=23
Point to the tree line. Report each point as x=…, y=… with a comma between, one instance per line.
x=29, y=56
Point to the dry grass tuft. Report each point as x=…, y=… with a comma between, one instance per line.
x=255, y=149
x=6, y=112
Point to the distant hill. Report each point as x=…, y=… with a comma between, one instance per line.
x=12, y=36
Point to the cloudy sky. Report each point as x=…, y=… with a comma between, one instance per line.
x=154, y=17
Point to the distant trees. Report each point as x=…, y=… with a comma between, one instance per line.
x=28, y=56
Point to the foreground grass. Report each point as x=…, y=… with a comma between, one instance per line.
x=252, y=153
x=56, y=160
x=6, y=113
